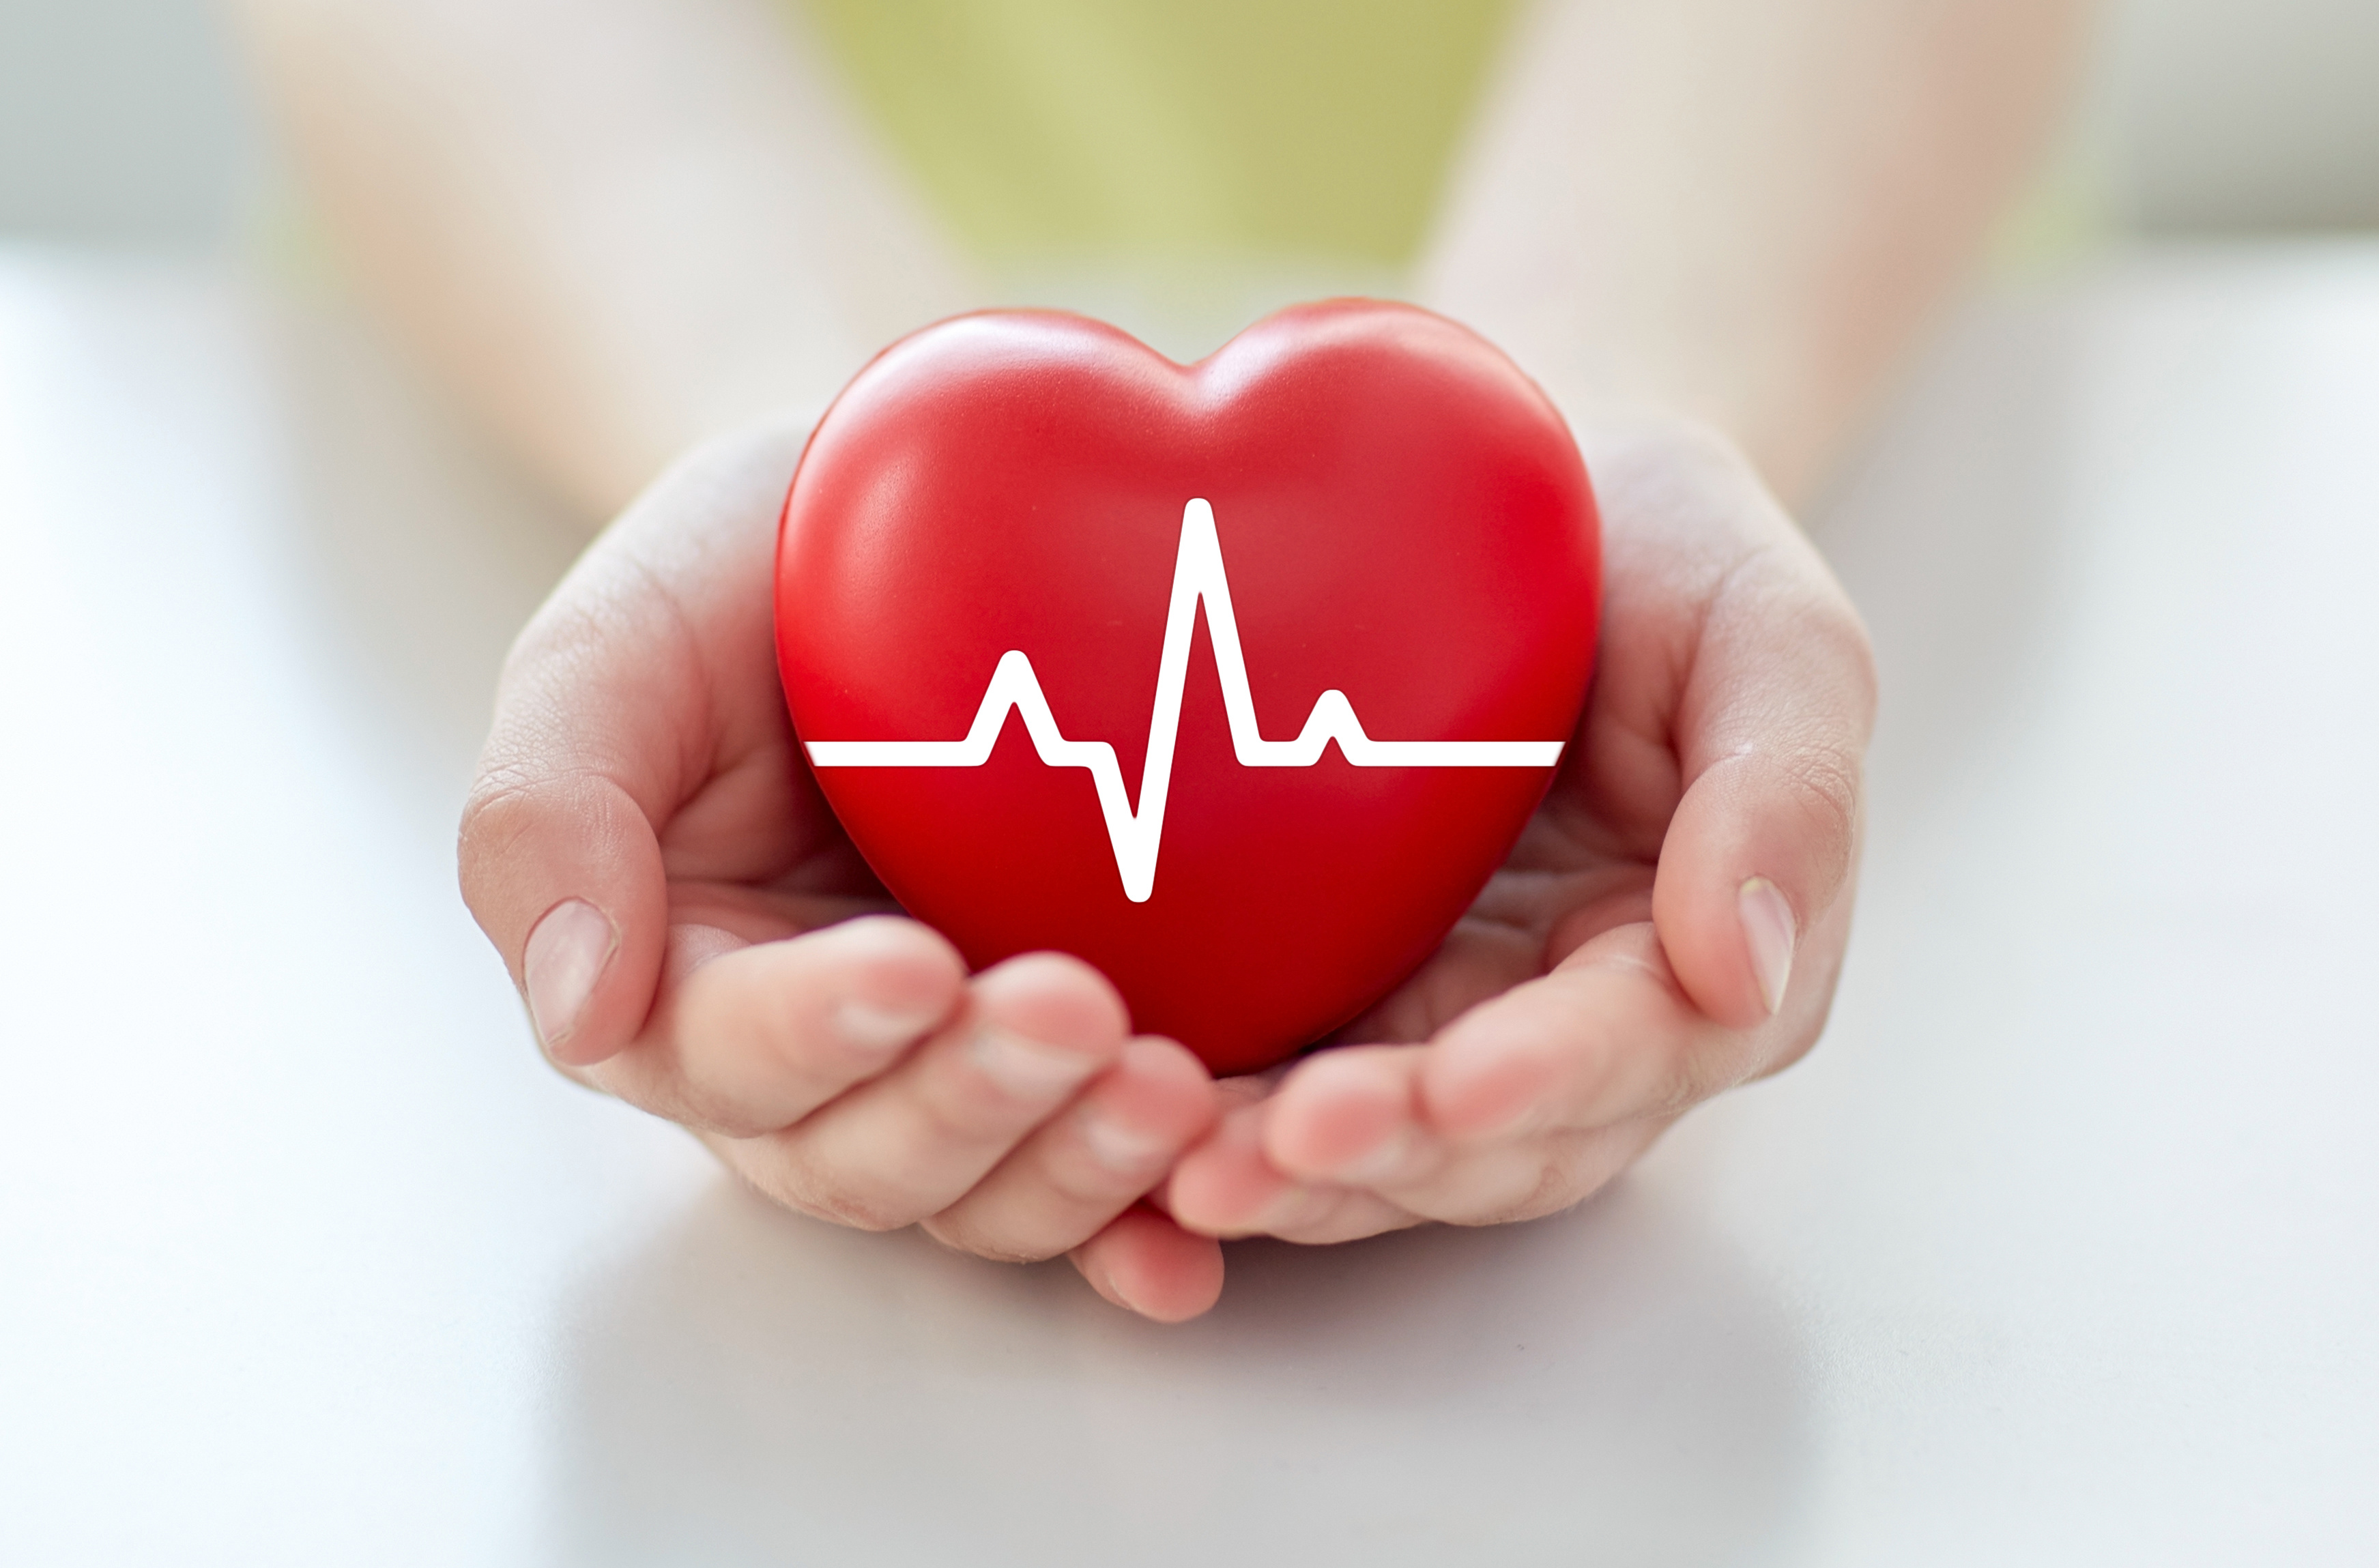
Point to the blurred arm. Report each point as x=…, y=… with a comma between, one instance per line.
x=1741, y=210
x=617, y=225
x=613, y=225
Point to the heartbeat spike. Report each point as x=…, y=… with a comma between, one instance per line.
x=1198, y=578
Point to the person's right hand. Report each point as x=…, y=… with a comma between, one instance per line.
x=694, y=932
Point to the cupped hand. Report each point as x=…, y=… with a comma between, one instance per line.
x=1670, y=924
x=694, y=932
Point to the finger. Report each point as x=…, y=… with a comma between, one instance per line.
x=1082, y=1169
x=617, y=707
x=1772, y=734
x=1524, y=1179
x=1145, y=1263
x=1502, y=1180
x=1353, y=1119
x=1226, y=1187
x=564, y=875
x=1348, y=1117
x=1608, y=1036
x=910, y=1142
x=755, y=1039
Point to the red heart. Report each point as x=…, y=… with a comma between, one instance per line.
x=1018, y=503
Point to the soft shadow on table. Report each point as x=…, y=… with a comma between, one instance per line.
x=1610, y=1384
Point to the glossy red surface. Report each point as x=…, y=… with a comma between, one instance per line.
x=1403, y=517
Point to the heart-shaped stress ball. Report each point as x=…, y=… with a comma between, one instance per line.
x=1236, y=680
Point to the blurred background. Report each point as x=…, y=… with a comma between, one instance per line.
x=127, y=123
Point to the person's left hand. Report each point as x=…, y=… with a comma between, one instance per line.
x=1670, y=924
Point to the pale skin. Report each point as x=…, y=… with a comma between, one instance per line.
x=1737, y=212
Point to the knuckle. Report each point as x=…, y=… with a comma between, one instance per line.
x=960, y=1110
x=495, y=817
x=1080, y=1183
x=836, y=1198
x=1563, y=1171
x=1546, y=1187
x=959, y=1104
x=708, y=1112
x=1826, y=779
x=1808, y=788
x=509, y=804
x=1486, y=1187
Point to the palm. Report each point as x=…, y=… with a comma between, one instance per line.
x=1586, y=859
x=1608, y=976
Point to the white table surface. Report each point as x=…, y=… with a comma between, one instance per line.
x=2060, y=1248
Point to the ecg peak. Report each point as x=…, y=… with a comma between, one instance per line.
x=1198, y=577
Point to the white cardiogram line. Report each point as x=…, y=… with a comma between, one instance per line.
x=1197, y=576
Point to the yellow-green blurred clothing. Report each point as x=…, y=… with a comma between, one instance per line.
x=1183, y=127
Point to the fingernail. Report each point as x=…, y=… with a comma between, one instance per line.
x=1122, y=1150
x=1106, y=1284
x=873, y=1029
x=1027, y=1069
x=1768, y=931
x=565, y=956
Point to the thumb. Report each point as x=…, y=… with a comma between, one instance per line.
x=562, y=872
x=1772, y=733
x=608, y=719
